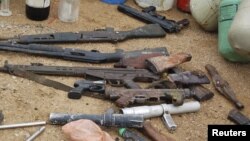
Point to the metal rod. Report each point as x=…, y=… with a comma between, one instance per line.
x=22, y=125
x=36, y=134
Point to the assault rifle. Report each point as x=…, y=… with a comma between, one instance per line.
x=114, y=76
x=99, y=35
x=149, y=15
x=125, y=97
x=93, y=56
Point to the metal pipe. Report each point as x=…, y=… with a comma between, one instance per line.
x=159, y=110
x=36, y=134
x=19, y=125
x=109, y=119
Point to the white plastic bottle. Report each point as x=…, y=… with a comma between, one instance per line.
x=205, y=12
x=239, y=32
x=161, y=5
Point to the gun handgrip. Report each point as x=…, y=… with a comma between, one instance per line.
x=131, y=84
x=75, y=93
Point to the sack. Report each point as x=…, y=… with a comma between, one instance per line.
x=85, y=130
x=161, y=5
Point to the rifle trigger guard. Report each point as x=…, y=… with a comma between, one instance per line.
x=116, y=83
x=97, y=88
x=93, y=50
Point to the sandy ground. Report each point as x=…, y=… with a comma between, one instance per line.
x=22, y=100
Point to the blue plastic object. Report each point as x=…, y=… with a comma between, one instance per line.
x=114, y=1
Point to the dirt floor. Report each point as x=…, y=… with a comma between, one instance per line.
x=23, y=101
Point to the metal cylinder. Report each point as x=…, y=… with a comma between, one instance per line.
x=37, y=133
x=156, y=111
x=19, y=125
x=107, y=119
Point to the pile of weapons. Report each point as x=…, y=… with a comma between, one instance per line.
x=170, y=85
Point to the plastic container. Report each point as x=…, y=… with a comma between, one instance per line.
x=161, y=5
x=205, y=12
x=68, y=10
x=184, y=5
x=239, y=32
x=114, y=1
x=228, y=9
x=37, y=10
x=5, y=8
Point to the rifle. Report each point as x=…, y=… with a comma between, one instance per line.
x=149, y=15
x=93, y=56
x=125, y=97
x=99, y=35
x=114, y=76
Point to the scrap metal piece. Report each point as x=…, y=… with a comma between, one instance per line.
x=201, y=93
x=169, y=122
x=19, y=125
x=36, y=134
x=189, y=78
x=222, y=86
x=130, y=135
x=238, y=118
